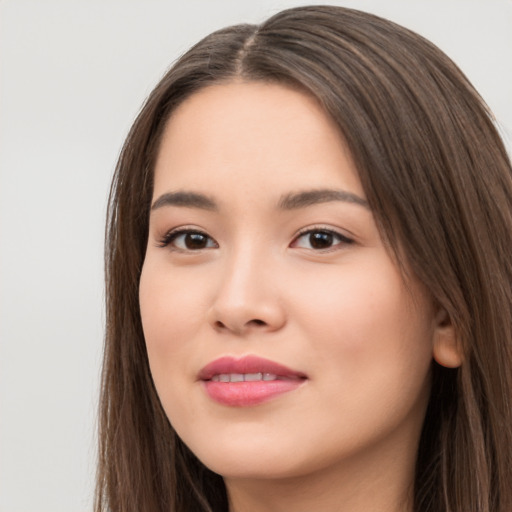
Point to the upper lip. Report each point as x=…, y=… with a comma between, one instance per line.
x=247, y=364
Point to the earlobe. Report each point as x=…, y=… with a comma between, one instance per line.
x=447, y=350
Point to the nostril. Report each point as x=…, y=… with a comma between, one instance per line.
x=255, y=323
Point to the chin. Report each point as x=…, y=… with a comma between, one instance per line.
x=247, y=456
x=262, y=468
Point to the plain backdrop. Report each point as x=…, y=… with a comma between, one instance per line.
x=73, y=75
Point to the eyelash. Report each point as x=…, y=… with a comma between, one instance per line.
x=168, y=239
x=342, y=239
x=172, y=235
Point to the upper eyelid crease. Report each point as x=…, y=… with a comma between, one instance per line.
x=322, y=229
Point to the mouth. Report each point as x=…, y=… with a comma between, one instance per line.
x=248, y=381
x=245, y=377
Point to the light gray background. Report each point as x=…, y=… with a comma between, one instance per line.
x=73, y=75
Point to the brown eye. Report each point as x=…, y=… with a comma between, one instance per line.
x=188, y=240
x=195, y=241
x=321, y=239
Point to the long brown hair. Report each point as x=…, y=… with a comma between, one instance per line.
x=439, y=182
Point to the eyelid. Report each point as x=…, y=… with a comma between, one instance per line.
x=344, y=239
x=171, y=235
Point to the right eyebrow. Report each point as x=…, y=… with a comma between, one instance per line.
x=185, y=199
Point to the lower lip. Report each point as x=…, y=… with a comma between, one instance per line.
x=246, y=394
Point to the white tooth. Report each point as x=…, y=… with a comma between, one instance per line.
x=236, y=377
x=224, y=377
x=253, y=376
x=216, y=378
x=269, y=376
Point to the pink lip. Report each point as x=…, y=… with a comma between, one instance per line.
x=248, y=393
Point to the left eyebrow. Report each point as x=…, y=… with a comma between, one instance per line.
x=297, y=200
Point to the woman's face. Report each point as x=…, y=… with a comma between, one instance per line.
x=281, y=337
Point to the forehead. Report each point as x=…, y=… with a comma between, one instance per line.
x=253, y=135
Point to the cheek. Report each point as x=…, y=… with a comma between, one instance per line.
x=364, y=325
x=370, y=355
x=168, y=317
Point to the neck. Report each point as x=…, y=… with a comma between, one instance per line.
x=369, y=483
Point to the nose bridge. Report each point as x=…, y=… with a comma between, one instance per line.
x=247, y=295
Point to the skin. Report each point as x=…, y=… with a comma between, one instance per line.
x=346, y=439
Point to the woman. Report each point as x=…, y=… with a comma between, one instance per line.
x=309, y=295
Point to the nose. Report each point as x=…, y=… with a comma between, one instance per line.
x=247, y=298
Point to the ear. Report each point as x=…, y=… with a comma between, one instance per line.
x=447, y=350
